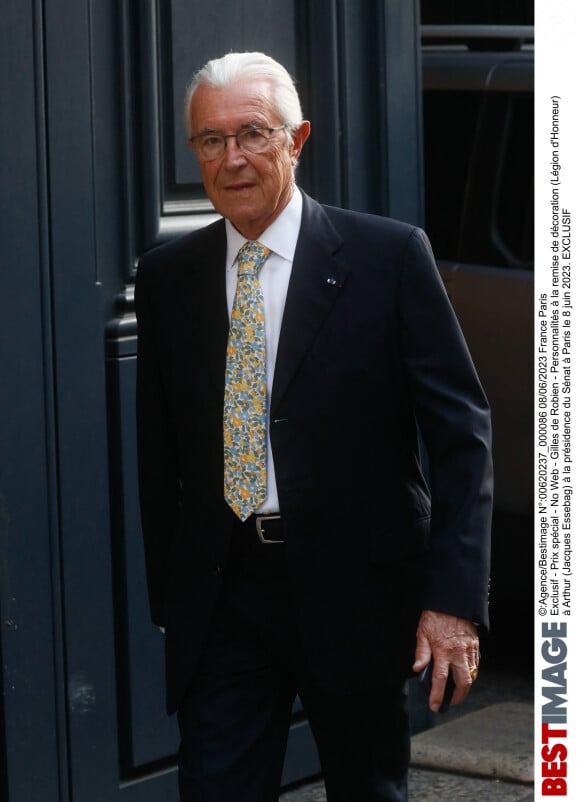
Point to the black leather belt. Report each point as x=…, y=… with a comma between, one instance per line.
x=267, y=527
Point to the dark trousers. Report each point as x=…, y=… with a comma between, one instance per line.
x=235, y=717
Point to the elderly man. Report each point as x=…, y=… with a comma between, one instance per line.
x=288, y=356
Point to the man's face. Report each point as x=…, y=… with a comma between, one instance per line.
x=250, y=190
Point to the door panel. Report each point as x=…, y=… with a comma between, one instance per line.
x=31, y=697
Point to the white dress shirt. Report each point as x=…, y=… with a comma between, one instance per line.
x=281, y=238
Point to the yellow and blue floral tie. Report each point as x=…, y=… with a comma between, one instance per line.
x=245, y=395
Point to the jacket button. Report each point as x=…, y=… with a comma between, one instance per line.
x=217, y=569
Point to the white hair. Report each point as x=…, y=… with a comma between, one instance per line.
x=238, y=66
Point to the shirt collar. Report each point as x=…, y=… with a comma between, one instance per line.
x=280, y=237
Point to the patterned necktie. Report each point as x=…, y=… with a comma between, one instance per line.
x=245, y=389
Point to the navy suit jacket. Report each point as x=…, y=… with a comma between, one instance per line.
x=370, y=351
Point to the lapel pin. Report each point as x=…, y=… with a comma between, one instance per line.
x=333, y=282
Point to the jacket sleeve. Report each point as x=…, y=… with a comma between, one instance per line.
x=159, y=485
x=454, y=420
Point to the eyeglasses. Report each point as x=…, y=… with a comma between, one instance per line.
x=250, y=140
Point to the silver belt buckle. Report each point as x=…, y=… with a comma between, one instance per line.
x=259, y=520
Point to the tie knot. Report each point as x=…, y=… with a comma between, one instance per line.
x=251, y=256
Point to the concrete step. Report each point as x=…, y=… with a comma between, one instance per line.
x=494, y=742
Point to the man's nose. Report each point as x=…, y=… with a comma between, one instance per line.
x=233, y=154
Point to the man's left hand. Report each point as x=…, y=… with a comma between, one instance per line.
x=453, y=645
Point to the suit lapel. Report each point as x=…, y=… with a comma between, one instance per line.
x=209, y=317
x=317, y=278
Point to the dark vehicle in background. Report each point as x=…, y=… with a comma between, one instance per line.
x=478, y=145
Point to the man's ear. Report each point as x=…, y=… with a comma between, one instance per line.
x=299, y=137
